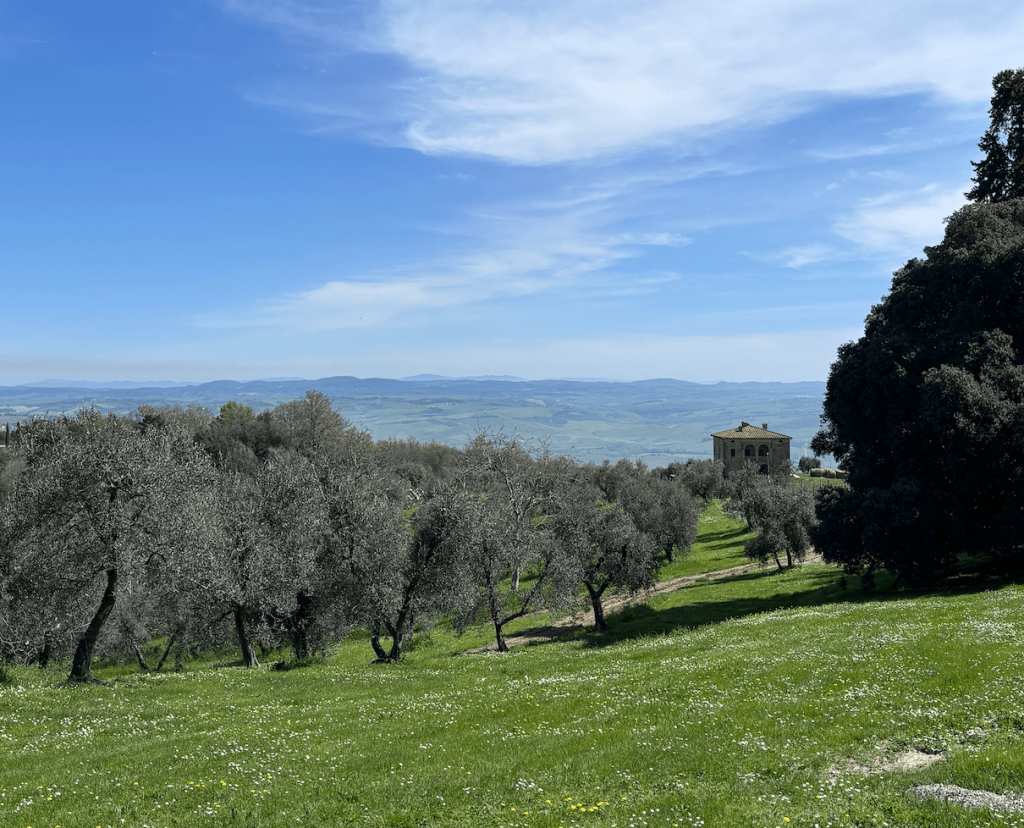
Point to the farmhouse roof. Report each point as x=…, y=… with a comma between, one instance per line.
x=745, y=431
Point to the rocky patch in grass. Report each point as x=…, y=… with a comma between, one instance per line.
x=909, y=760
x=967, y=798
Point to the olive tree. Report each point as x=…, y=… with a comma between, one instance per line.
x=101, y=503
x=782, y=514
x=375, y=567
x=606, y=546
x=501, y=466
x=263, y=535
x=704, y=479
x=494, y=547
x=664, y=509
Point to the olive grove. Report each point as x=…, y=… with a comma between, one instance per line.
x=290, y=528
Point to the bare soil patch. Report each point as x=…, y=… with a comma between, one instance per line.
x=910, y=760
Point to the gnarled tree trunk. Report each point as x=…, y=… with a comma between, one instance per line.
x=81, y=664
x=595, y=601
x=245, y=642
x=378, y=650
x=298, y=625
x=499, y=637
x=44, y=653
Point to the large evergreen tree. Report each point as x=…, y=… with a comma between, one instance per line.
x=926, y=410
x=1000, y=173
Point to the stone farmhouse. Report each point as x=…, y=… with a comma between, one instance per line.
x=768, y=449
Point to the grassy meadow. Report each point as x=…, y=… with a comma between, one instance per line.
x=765, y=699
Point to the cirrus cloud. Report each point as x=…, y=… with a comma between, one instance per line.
x=536, y=82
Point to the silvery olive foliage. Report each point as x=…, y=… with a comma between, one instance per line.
x=100, y=508
x=183, y=529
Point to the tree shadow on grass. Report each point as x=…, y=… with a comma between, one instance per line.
x=820, y=587
x=722, y=538
x=619, y=620
x=640, y=620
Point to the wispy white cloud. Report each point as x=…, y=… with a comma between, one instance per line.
x=799, y=256
x=897, y=142
x=547, y=253
x=654, y=239
x=901, y=222
x=514, y=249
x=391, y=297
x=537, y=82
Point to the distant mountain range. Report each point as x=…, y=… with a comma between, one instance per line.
x=658, y=420
x=432, y=377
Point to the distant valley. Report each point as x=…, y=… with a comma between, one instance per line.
x=658, y=420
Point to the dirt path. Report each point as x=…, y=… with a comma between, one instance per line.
x=615, y=602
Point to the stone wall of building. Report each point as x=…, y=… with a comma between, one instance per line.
x=768, y=449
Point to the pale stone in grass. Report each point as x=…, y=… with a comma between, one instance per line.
x=967, y=798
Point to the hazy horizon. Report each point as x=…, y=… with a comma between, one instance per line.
x=128, y=384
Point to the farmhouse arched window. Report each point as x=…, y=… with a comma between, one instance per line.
x=748, y=451
x=762, y=451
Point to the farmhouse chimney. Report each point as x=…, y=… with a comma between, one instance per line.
x=764, y=426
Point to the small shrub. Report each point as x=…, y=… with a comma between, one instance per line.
x=805, y=464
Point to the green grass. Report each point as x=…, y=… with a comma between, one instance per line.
x=809, y=482
x=719, y=545
x=743, y=702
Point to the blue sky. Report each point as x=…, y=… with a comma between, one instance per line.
x=628, y=189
